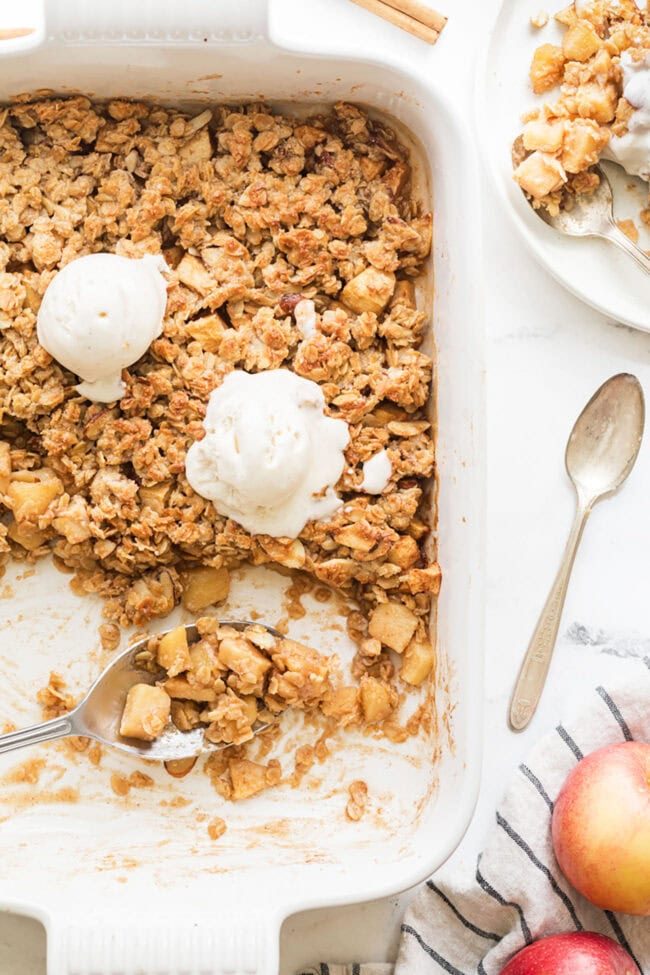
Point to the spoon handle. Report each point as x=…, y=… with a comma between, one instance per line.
x=616, y=235
x=46, y=731
x=532, y=676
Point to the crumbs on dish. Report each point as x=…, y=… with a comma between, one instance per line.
x=290, y=244
x=598, y=85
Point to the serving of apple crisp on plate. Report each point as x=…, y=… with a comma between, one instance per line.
x=596, y=88
x=210, y=359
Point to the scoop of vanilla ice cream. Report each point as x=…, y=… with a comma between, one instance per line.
x=270, y=456
x=376, y=473
x=100, y=314
x=632, y=150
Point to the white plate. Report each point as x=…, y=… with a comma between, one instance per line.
x=595, y=271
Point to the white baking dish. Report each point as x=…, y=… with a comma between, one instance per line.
x=130, y=886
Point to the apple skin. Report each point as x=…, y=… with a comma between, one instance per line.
x=577, y=953
x=601, y=828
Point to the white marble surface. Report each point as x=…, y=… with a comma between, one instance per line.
x=547, y=353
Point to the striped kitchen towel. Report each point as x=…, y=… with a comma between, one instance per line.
x=464, y=923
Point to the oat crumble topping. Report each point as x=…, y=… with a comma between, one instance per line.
x=358, y=800
x=254, y=212
x=54, y=699
x=539, y=20
x=260, y=217
x=216, y=828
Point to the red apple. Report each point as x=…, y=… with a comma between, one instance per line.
x=578, y=953
x=601, y=827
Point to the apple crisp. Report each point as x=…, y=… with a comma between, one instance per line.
x=261, y=218
x=586, y=114
x=225, y=681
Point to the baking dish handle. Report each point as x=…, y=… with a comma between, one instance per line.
x=225, y=945
x=123, y=22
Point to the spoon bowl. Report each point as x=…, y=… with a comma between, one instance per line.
x=589, y=215
x=592, y=215
x=606, y=437
x=99, y=713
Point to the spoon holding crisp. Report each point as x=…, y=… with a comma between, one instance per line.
x=128, y=704
x=592, y=215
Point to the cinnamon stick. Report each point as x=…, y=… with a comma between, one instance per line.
x=419, y=11
x=395, y=12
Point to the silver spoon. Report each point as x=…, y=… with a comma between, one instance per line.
x=99, y=713
x=593, y=216
x=601, y=452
